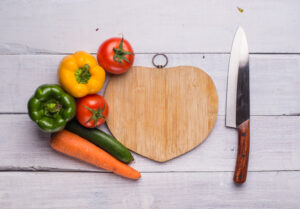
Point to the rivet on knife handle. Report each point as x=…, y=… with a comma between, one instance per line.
x=241, y=166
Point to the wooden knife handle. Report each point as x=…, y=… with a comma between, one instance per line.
x=241, y=166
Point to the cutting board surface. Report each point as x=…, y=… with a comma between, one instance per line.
x=161, y=113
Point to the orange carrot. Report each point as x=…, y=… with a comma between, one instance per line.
x=73, y=145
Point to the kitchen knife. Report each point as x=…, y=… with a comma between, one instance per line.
x=238, y=101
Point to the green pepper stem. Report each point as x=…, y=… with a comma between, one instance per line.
x=53, y=107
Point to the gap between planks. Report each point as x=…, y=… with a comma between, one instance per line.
x=59, y=170
x=284, y=115
x=147, y=53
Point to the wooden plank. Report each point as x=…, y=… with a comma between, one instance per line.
x=275, y=145
x=39, y=190
x=274, y=83
x=31, y=27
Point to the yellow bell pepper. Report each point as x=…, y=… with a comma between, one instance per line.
x=80, y=75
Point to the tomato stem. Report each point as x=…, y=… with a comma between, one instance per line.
x=96, y=114
x=120, y=54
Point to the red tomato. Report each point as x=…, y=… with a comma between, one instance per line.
x=115, y=55
x=91, y=110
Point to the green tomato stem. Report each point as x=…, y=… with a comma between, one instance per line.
x=120, y=54
x=96, y=114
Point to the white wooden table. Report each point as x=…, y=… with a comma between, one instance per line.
x=34, y=37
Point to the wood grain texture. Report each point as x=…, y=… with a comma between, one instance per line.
x=24, y=147
x=241, y=165
x=276, y=95
x=33, y=27
x=209, y=190
x=162, y=113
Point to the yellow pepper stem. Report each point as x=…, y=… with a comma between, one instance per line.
x=83, y=74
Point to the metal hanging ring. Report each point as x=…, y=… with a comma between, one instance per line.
x=159, y=66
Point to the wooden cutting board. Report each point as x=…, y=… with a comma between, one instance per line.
x=161, y=113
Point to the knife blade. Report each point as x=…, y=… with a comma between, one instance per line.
x=238, y=101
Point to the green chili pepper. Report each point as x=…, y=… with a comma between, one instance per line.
x=51, y=107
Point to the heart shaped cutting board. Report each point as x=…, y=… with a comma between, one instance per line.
x=161, y=113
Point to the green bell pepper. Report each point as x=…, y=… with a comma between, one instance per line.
x=51, y=107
